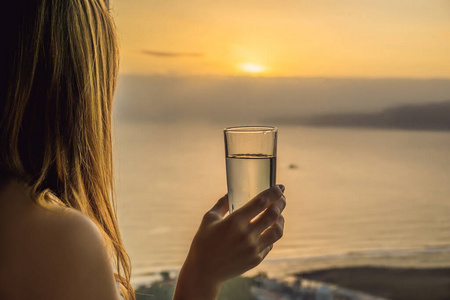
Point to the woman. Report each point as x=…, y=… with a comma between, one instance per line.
x=58, y=229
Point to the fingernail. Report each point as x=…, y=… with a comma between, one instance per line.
x=281, y=187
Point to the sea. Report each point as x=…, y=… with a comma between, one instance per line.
x=355, y=196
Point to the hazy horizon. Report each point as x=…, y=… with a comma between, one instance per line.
x=254, y=99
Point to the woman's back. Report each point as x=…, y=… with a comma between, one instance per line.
x=50, y=253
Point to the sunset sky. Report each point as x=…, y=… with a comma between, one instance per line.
x=330, y=38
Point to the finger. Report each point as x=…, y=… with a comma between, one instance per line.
x=221, y=207
x=269, y=216
x=262, y=201
x=264, y=252
x=272, y=234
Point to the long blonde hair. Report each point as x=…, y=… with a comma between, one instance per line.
x=57, y=81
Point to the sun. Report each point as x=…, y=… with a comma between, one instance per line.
x=252, y=68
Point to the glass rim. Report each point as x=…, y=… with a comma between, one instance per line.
x=250, y=129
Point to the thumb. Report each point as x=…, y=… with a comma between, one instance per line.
x=221, y=207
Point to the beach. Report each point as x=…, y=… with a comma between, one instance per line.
x=390, y=283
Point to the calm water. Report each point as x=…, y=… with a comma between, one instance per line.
x=355, y=197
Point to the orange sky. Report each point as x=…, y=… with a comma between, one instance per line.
x=348, y=38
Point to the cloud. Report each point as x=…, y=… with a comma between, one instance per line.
x=165, y=54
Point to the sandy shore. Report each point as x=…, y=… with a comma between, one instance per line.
x=391, y=283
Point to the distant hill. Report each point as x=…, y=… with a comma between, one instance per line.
x=434, y=116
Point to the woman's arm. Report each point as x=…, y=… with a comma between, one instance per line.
x=227, y=247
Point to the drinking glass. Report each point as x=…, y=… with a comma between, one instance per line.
x=251, y=153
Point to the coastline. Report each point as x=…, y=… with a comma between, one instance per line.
x=388, y=282
x=352, y=283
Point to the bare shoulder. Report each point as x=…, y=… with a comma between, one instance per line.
x=50, y=252
x=71, y=229
x=73, y=254
x=77, y=234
